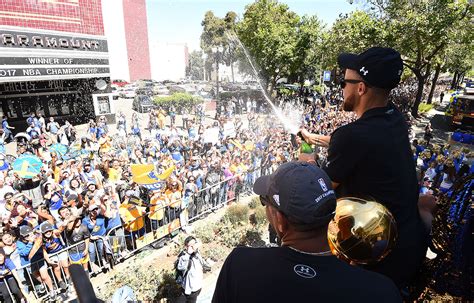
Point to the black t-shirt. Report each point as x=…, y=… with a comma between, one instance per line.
x=76, y=235
x=280, y=274
x=372, y=158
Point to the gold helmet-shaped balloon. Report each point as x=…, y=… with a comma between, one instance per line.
x=361, y=231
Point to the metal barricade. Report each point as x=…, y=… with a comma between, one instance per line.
x=125, y=240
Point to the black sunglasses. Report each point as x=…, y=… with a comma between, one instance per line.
x=353, y=81
x=265, y=200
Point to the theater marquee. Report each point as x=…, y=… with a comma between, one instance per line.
x=31, y=55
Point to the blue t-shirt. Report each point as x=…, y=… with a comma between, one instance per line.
x=114, y=222
x=53, y=128
x=135, y=130
x=55, y=205
x=93, y=131
x=6, y=267
x=99, y=228
x=52, y=246
x=100, y=131
x=24, y=250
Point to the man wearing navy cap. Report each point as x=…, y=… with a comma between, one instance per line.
x=299, y=204
x=372, y=158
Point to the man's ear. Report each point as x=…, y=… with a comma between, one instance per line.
x=362, y=88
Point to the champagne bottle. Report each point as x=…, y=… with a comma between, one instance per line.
x=305, y=148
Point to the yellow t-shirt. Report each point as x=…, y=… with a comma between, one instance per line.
x=157, y=208
x=132, y=216
x=114, y=174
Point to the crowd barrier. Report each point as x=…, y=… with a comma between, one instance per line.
x=122, y=242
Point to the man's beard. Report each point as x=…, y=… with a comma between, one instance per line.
x=348, y=104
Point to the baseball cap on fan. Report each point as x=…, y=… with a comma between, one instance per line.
x=301, y=191
x=380, y=67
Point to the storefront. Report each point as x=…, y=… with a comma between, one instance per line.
x=53, y=73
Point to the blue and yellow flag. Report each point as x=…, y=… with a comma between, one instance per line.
x=145, y=175
x=27, y=166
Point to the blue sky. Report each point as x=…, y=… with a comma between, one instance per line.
x=179, y=21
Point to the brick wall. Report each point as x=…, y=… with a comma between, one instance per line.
x=76, y=16
x=136, y=34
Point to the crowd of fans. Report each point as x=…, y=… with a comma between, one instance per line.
x=439, y=166
x=87, y=193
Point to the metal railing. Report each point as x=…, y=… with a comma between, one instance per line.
x=127, y=239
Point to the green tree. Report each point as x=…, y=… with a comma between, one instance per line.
x=269, y=31
x=213, y=35
x=308, y=52
x=421, y=30
x=230, y=55
x=460, y=53
x=195, y=69
x=354, y=33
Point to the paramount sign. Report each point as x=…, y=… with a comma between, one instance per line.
x=50, y=42
x=49, y=55
x=14, y=39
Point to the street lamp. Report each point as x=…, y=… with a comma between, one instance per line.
x=217, y=51
x=204, y=57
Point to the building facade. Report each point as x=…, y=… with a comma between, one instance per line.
x=169, y=61
x=53, y=60
x=126, y=28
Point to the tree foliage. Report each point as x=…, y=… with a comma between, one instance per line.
x=215, y=34
x=422, y=31
x=195, y=69
x=268, y=30
x=431, y=36
x=354, y=33
x=307, y=59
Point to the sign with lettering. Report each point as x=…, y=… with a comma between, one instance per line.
x=22, y=39
x=35, y=55
x=52, y=61
x=53, y=71
x=11, y=88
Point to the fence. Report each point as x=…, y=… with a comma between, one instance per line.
x=40, y=278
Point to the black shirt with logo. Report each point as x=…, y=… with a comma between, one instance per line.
x=280, y=274
x=371, y=158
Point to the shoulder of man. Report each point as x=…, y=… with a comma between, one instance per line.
x=377, y=285
x=243, y=254
x=347, y=133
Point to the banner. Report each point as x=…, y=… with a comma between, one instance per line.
x=245, y=124
x=229, y=130
x=211, y=135
x=145, y=175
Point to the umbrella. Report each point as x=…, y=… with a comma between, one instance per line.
x=27, y=166
x=59, y=149
x=23, y=135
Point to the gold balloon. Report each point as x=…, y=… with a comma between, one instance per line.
x=362, y=231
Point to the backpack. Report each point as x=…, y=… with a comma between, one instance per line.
x=180, y=275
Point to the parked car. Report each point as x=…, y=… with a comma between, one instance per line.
x=115, y=93
x=119, y=83
x=128, y=93
x=160, y=90
x=469, y=89
x=147, y=90
x=142, y=103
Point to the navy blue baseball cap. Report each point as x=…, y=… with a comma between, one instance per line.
x=380, y=67
x=301, y=191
